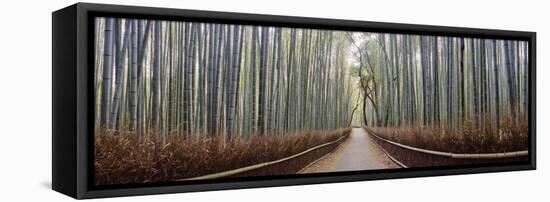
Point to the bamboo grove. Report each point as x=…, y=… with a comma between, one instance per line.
x=203, y=79
x=176, y=100
x=442, y=82
x=161, y=78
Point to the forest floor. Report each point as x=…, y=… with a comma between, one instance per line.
x=358, y=152
x=466, y=139
x=122, y=158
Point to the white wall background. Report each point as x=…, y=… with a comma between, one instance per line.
x=25, y=102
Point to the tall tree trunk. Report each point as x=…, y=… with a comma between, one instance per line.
x=289, y=82
x=510, y=79
x=462, y=82
x=436, y=88
x=119, y=72
x=272, y=85
x=215, y=79
x=496, y=85
x=425, y=81
x=210, y=79
x=142, y=44
x=475, y=80
x=232, y=76
x=155, y=116
x=201, y=40
x=190, y=81
x=483, y=89
x=262, y=91
x=253, y=81
x=280, y=58
x=134, y=75
x=107, y=72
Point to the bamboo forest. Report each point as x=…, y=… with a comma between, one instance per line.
x=181, y=100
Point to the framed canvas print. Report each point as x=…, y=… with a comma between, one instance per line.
x=154, y=100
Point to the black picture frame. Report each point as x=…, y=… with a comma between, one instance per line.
x=72, y=105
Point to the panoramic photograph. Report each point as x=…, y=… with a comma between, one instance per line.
x=184, y=101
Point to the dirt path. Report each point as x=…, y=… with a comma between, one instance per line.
x=358, y=152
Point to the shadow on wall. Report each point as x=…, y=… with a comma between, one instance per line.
x=46, y=184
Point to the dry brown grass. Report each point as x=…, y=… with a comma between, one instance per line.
x=463, y=139
x=123, y=158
